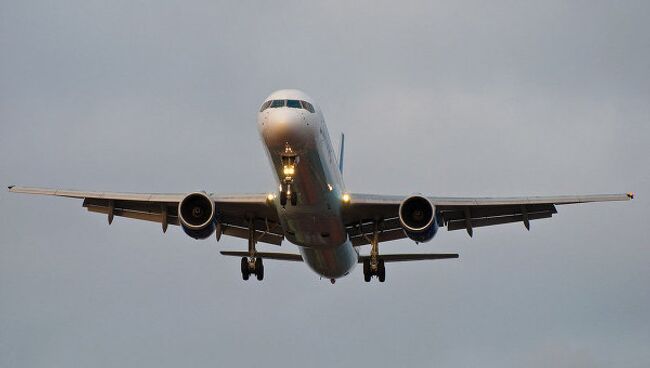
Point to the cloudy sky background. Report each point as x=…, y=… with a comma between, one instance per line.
x=458, y=98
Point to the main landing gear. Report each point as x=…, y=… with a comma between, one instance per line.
x=378, y=270
x=289, y=162
x=252, y=265
x=373, y=265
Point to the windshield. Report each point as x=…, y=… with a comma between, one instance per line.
x=294, y=104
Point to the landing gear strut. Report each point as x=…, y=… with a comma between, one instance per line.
x=374, y=266
x=252, y=264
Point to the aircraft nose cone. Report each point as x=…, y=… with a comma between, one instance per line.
x=285, y=119
x=286, y=126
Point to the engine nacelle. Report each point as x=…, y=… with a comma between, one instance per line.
x=196, y=213
x=419, y=218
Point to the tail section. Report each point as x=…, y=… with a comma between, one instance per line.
x=341, y=151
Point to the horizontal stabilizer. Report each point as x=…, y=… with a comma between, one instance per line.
x=410, y=257
x=266, y=255
x=384, y=257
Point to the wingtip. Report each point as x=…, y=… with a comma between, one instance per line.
x=10, y=187
x=630, y=195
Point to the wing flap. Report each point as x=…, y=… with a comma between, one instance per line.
x=153, y=217
x=450, y=213
x=489, y=221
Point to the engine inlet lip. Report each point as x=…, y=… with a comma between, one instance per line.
x=428, y=224
x=207, y=222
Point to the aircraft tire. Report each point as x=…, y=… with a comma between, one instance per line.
x=283, y=198
x=381, y=271
x=294, y=198
x=245, y=274
x=259, y=269
x=366, y=270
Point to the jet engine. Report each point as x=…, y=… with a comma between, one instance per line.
x=196, y=213
x=419, y=218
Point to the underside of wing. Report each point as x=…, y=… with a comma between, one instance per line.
x=456, y=213
x=236, y=214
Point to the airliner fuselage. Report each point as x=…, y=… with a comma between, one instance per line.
x=290, y=131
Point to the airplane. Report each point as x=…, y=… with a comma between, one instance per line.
x=312, y=208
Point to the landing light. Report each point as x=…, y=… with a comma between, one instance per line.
x=289, y=170
x=270, y=197
x=346, y=198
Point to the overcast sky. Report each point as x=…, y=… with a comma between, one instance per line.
x=459, y=98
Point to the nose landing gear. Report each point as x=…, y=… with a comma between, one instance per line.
x=286, y=194
x=289, y=162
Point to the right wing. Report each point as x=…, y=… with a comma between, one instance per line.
x=234, y=211
x=457, y=213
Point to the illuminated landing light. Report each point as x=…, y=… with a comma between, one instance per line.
x=346, y=198
x=288, y=170
x=270, y=197
x=329, y=186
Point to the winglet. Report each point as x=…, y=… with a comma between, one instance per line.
x=10, y=187
x=630, y=195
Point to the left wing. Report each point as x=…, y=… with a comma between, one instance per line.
x=456, y=212
x=234, y=211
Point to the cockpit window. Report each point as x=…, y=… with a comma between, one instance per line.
x=294, y=104
x=277, y=103
x=307, y=106
x=265, y=106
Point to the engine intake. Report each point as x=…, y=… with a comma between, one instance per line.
x=197, y=215
x=418, y=218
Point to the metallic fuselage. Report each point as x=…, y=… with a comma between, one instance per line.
x=315, y=223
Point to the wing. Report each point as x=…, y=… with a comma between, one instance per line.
x=456, y=213
x=234, y=211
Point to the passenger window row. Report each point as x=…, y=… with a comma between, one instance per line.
x=295, y=104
